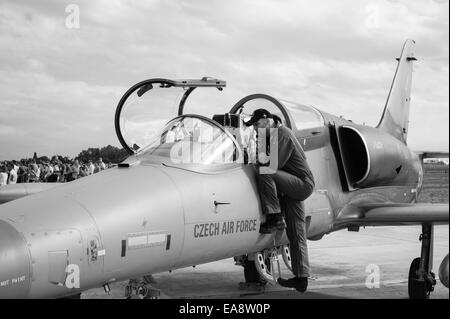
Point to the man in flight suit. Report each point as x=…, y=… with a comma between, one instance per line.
x=291, y=178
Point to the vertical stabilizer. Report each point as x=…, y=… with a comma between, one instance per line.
x=395, y=117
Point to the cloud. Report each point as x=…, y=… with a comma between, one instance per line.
x=60, y=86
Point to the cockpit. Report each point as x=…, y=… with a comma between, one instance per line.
x=147, y=130
x=193, y=140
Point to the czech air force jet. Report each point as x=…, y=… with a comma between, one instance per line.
x=187, y=194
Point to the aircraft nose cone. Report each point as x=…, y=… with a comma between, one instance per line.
x=14, y=263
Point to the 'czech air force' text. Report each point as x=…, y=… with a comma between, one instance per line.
x=224, y=228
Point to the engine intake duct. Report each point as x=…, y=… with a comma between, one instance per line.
x=354, y=154
x=373, y=158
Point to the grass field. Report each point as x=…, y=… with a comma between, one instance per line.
x=435, y=184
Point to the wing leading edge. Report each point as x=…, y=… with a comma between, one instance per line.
x=15, y=191
x=390, y=214
x=432, y=154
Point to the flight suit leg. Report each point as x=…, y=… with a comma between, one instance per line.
x=281, y=181
x=295, y=191
x=292, y=186
x=296, y=233
x=268, y=194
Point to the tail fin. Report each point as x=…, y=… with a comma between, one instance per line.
x=395, y=117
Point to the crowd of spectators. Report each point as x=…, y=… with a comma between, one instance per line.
x=52, y=171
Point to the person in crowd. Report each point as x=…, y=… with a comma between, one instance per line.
x=55, y=166
x=101, y=164
x=35, y=173
x=3, y=175
x=50, y=169
x=55, y=177
x=44, y=172
x=23, y=176
x=67, y=172
x=96, y=168
x=15, y=166
x=12, y=179
x=91, y=168
x=71, y=170
x=83, y=171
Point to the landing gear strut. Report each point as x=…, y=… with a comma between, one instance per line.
x=264, y=267
x=141, y=288
x=421, y=279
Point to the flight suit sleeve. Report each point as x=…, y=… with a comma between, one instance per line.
x=285, y=149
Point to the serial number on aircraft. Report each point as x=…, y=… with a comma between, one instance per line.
x=225, y=228
x=12, y=281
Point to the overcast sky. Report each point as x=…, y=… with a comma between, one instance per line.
x=59, y=86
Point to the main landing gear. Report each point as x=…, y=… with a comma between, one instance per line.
x=421, y=279
x=263, y=267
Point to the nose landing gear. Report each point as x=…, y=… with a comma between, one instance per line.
x=141, y=288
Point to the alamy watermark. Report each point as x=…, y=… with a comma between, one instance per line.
x=73, y=16
x=373, y=279
x=372, y=20
x=73, y=276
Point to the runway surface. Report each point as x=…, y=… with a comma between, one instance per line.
x=340, y=265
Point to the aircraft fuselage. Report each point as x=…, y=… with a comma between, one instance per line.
x=148, y=217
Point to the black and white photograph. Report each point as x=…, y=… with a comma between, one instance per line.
x=224, y=154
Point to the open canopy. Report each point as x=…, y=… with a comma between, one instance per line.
x=147, y=106
x=150, y=123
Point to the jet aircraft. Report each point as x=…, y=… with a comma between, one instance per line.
x=187, y=195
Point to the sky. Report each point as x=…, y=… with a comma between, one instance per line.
x=65, y=64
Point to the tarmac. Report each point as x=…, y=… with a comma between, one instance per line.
x=343, y=265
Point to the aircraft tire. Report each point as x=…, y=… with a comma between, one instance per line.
x=251, y=274
x=417, y=289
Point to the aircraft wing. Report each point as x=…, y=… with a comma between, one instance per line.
x=390, y=214
x=14, y=191
x=432, y=154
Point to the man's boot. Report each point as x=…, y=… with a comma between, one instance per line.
x=273, y=223
x=299, y=283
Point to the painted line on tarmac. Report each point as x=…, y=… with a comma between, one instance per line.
x=316, y=278
x=383, y=283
